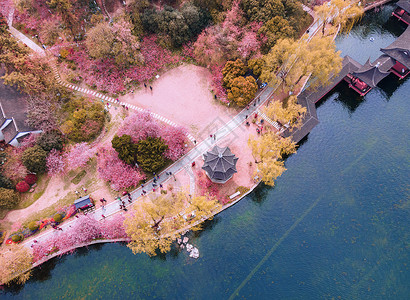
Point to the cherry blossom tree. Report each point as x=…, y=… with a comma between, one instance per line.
x=175, y=138
x=55, y=163
x=78, y=156
x=112, y=228
x=140, y=126
x=114, y=170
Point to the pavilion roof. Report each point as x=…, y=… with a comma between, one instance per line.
x=220, y=164
x=400, y=48
x=373, y=73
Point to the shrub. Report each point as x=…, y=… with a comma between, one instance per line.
x=30, y=179
x=33, y=226
x=58, y=218
x=17, y=237
x=6, y=182
x=22, y=187
x=8, y=198
x=34, y=159
x=52, y=139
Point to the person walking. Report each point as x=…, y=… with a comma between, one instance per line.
x=145, y=85
x=150, y=87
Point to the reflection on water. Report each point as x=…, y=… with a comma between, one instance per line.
x=336, y=225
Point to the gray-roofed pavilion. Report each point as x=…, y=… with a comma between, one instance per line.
x=220, y=164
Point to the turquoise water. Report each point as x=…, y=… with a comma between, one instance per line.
x=336, y=224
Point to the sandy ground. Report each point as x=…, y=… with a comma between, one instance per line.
x=183, y=96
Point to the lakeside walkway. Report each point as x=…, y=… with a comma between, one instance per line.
x=260, y=99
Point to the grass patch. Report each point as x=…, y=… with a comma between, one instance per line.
x=51, y=210
x=79, y=177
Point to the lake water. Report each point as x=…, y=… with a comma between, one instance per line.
x=335, y=226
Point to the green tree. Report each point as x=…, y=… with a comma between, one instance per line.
x=6, y=182
x=34, y=159
x=275, y=29
x=8, y=198
x=150, y=154
x=243, y=90
x=180, y=25
x=263, y=10
x=126, y=149
x=117, y=42
x=232, y=70
x=49, y=140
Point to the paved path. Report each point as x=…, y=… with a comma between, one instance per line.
x=169, y=173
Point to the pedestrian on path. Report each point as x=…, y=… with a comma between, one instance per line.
x=160, y=186
x=103, y=216
x=214, y=137
x=194, y=142
x=145, y=85
x=246, y=117
x=150, y=87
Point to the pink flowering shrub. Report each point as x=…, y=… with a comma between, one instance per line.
x=228, y=40
x=140, y=126
x=85, y=229
x=113, y=228
x=175, y=138
x=217, y=83
x=55, y=163
x=78, y=156
x=104, y=74
x=114, y=170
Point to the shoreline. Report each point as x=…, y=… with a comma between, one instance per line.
x=226, y=206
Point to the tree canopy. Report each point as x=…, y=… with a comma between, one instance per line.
x=114, y=41
x=151, y=154
x=18, y=259
x=34, y=159
x=232, y=70
x=243, y=90
x=8, y=198
x=154, y=224
x=268, y=150
x=317, y=58
x=180, y=25
x=126, y=149
x=288, y=111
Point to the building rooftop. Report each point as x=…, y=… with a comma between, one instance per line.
x=220, y=164
x=400, y=48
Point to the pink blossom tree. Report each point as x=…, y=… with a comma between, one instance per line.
x=78, y=156
x=140, y=126
x=113, y=228
x=115, y=171
x=55, y=163
x=175, y=138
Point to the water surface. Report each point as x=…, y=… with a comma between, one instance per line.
x=336, y=224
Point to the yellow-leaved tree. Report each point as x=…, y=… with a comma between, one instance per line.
x=289, y=61
x=343, y=13
x=286, y=112
x=154, y=224
x=268, y=150
x=15, y=260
